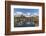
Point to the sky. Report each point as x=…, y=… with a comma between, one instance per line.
x=26, y=11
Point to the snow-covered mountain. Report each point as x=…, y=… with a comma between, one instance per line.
x=18, y=14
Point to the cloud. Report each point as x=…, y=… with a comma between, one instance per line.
x=28, y=13
x=18, y=13
x=36, y=14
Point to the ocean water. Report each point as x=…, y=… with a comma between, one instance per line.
x=26, y=24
